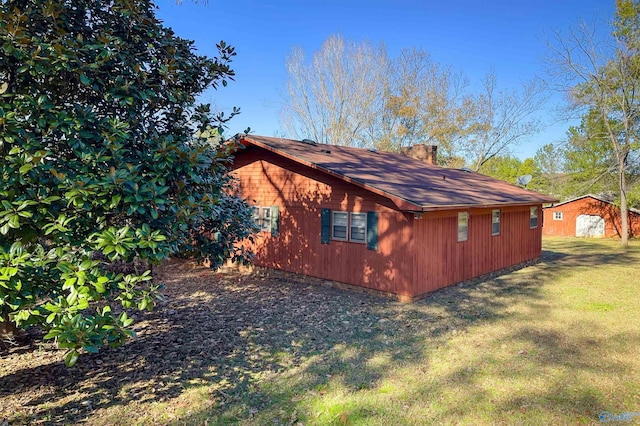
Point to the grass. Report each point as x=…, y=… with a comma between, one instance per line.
x=554, y=343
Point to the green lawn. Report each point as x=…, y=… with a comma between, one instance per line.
x=554, y=343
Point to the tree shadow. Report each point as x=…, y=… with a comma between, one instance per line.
x=362, y=359
x=236, y=336
x=569, y=252
x=225, y=329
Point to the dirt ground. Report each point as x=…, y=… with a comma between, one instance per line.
x=223, y=326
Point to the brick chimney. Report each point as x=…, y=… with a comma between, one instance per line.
x=422, y=152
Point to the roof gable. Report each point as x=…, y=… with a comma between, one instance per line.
x=595, y=197
x=413, y=185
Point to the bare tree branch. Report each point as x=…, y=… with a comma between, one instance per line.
x=602, y=75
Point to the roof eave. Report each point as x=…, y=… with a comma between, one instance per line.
x=432, y=208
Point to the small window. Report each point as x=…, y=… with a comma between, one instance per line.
x=557, y=215
x=266, y=219
x=339, y=227
x=463, y=226
x=533, y=217
x=358, y=228
x=495, y=222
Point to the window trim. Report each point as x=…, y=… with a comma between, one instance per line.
x=557, y=216
x=265, y=218
x=495, y=222
x=364, y=227
x=464, y=227
x=333, y=225
x=533, y=217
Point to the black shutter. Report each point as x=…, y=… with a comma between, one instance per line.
x=372, y=230
x=325, y=230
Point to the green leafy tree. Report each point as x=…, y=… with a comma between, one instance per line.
x=105, y=158
x=549, y=160
x=590, y=162
x=509, y=168
x=504, y=167
x=602, y=77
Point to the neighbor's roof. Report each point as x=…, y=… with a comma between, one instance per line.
x=413, y=185
x=595, y=197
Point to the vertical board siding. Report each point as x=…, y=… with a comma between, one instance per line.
x=413, y=256
x=301, y=193
x=590, y=206
x=440, y=260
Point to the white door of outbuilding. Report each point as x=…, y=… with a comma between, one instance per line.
x=589, y=226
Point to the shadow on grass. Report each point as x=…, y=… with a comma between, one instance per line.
x=226, y=332
x=235, y=336
x=403, y=337
x=554, y=376
x=586, y=251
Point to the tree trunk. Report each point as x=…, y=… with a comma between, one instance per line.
x=624, y=210
x=7, y=329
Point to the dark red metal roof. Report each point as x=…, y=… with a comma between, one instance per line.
x=595, y=197
x=413, y=185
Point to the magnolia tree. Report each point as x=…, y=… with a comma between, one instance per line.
x=104, y=160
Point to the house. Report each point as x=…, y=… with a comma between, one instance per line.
x=382, y=221
x=588, y=216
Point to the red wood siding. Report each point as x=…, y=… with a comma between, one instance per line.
x=300, y=192
x=589, y=206
x=440, y=260
x=414, y=256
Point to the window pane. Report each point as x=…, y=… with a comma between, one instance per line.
x=495, y=222
x=358, y=219
x=463, y=226
x=340, y=224
x=340, y=218
x=266, y=218
x=533, y=217
x=358, y=234
x=358, y=227
x=340, y=232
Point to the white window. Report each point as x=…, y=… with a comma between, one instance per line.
x=557, y=215
x=533, y=217
x=340, y=223
x=495, y=222
x=358, y=228
x=262, y=218
x=463, y=226
x=266, y=219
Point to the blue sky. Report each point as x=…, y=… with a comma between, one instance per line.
x=471, y=36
